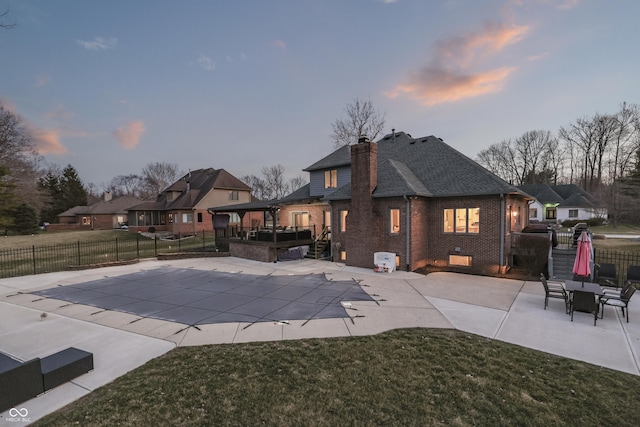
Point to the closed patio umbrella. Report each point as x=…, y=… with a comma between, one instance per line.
x=582, y=264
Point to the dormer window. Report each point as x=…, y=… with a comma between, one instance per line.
x=331, y=178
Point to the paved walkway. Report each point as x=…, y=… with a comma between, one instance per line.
x=507, y=310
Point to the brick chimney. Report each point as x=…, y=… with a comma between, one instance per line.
x=361, y=224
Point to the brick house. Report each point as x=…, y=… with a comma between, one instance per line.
x=104, y=214
x=182, y=207
x=420, y=199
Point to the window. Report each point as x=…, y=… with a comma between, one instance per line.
x=462, y=221
x=233, y=195
x=199, y=216
x=170, y=216
x=234, y=218
x=551, y=213
x=394, y=221
x=300, y=219
x=331, y=178
x=86, y=220
x=573, y=213
x=343, y=255
x=460, y=260
x=533, y=212
x=187, y=217
x=343, y=221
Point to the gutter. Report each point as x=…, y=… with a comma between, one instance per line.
x=408, y=227
x=502, y=234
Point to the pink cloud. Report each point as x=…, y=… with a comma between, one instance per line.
x=431, y=86
x=129, y=135
x=47, y=141
x=280, y=43
x=451, y=75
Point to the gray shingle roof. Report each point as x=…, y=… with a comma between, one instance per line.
x=422, y=166
x=340, y=157
x=193, y=187
x=566, y=195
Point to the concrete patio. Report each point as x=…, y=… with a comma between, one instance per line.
x=502, y=309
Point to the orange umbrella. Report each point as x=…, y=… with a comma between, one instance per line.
x=582, y=264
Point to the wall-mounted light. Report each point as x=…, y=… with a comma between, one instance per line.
x=514, y=214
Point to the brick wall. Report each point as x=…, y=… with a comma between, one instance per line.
x=316, y=215
x=363, y=223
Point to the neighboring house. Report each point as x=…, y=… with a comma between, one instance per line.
x=182, y=207
x=558, y=203
x=417, y=198
x=105, y=214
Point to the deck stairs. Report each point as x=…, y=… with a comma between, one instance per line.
x=563, y=260
x=321, y=245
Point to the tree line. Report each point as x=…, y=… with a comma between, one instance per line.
x=599, y=153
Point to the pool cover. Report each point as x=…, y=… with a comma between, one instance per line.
x=197, y=297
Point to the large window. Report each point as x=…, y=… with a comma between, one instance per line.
x=394, y=221
x=331, y=178
x=533, y=212
x=573, y=213
x=551, y=213
x=187, y=217
x=300, y=219
x=343, y=221
x=462, y=220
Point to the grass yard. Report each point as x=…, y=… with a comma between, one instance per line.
x=45, y=238
x=620, y=229
x=403, y=377
x=623, y=245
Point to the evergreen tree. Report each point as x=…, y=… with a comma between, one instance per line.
x=25, y=220
x=65, y=190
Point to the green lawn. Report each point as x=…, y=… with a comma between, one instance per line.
x=45, y=238
x=620, y=229
x=404, y=377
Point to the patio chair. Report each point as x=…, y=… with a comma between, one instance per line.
x=554, y=290
x=633, y=274
x=584, y=302
x=622, y=301
x=606, y=275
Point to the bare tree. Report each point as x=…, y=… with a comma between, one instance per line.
x=362, y=119
x=524, y=160
x=257, y=185
x=275, y=184
x=3, y=24
x=20, y=160
x=158, y=176
x=297, y=182
x=127, y=185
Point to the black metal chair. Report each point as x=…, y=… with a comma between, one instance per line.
x=622, y=301
x=633, y=274
x=554, y=290
x=607, y=275
x=584, y=302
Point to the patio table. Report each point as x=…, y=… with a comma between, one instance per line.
x=573, y=285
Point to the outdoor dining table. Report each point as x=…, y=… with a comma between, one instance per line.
x=573, y=285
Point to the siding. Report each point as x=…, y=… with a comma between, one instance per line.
x=316, y=181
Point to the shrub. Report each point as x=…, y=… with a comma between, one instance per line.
x=152, y=230
x=533, y=251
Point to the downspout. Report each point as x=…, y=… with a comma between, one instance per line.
x=408, y=227
x=503, y=212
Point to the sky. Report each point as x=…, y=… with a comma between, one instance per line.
x=109, y=87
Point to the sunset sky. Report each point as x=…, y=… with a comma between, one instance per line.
x=111, y=86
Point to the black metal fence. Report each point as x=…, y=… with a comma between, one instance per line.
x=47, y=259
x=622, y=261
